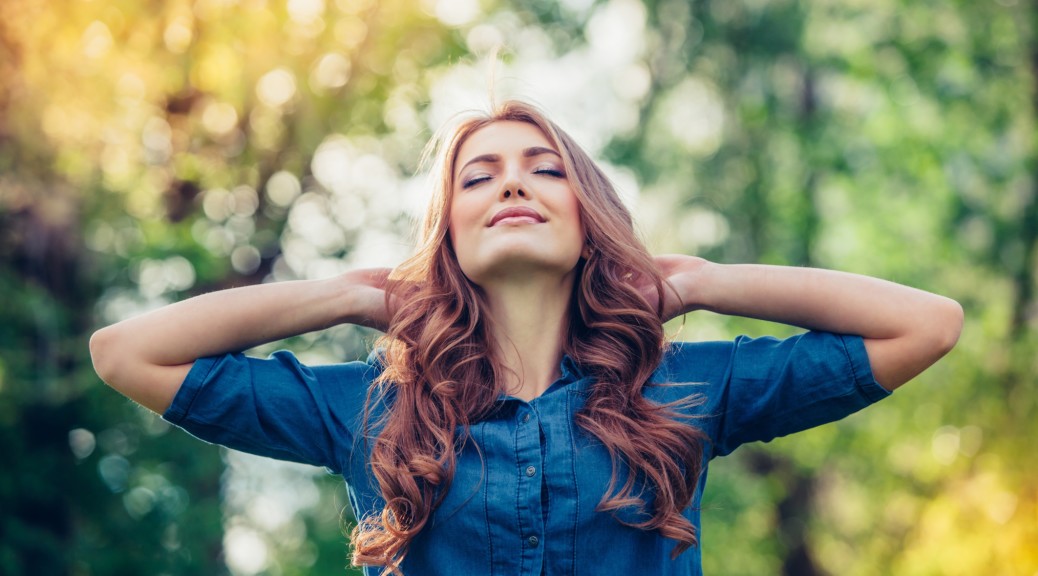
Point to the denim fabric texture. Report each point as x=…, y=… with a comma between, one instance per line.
x=528, y=479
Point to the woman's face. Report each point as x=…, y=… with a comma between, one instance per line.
x=513, y=212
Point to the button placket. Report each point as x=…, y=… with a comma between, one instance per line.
x=529, y=457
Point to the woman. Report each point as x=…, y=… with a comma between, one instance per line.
x=524, y=413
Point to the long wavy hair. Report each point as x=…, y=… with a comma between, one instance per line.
x=441, y=371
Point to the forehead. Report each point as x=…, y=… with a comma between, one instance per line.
x=502, y=137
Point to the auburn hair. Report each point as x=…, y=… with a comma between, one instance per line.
x=441, y=371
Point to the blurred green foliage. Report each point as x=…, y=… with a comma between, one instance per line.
x=150, y=151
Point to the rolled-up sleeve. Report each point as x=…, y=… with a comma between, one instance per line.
x=275, y=407
x=777, y=387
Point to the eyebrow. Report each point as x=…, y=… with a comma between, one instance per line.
x=527, y=153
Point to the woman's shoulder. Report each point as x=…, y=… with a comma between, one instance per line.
x=702, y=363
x=763, y=357
x=368, y=368
x=682, y=354
x=713, y=360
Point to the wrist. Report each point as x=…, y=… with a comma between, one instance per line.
x=333, y=299
x=360, y=298
x=695, y=284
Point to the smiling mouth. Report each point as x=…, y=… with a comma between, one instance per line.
x=515, y=216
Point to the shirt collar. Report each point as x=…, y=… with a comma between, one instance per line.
x=570, y=369
x=571, y=373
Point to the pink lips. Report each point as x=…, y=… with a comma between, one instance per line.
x=516, y=212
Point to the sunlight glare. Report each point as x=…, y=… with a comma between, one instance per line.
x=276, y=88
x=453, y=12
x=945, y=445
x=245, y=551
x=331, y=71
x=305, y=11
x=219, y=118
x=283, y=188
x=694, y=115
x=617, y=30
x=82, y=442
x=97, y=40
x=178, y=35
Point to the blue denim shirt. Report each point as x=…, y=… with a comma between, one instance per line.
x=528, y=481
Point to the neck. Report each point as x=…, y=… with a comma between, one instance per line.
x=530, y=320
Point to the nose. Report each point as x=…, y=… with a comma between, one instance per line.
x=512, y=185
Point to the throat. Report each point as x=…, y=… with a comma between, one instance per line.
x=528, y=325
x=527, y=378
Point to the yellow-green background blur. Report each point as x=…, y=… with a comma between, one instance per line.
x=151, y=150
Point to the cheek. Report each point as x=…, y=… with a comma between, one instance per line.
x=460, y=225
x=457, y=218
x=576, y=220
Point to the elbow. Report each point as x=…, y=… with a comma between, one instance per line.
x=118, y=362
x=947, y=323
x=940, y=329
x=102, y=353
x=935, y=330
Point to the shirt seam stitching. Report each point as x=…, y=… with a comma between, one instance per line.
x=576, y=493
x=181, y=413
x=486, y=503
x=862, y=382
x=518, y=492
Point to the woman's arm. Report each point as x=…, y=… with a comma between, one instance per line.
x=905, y=330
x=147, y=357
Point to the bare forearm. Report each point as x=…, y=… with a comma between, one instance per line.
x=905, y=329
x=228, y=320
x=815, y=299
x=147, y=357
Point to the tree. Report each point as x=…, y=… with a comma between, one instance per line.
x=149, y=152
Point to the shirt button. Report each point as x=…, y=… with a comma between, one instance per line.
x=526, y=418
x=533, y=541
x=530, y=471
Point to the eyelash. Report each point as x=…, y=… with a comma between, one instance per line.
x=544, y=171
x=473, y=181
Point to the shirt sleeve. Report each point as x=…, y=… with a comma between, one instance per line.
x=777, y=387
x=275, y=407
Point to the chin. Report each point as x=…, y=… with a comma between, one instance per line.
x=520, y=264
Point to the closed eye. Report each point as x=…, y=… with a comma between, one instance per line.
x=474, y=181
x=550, y=172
